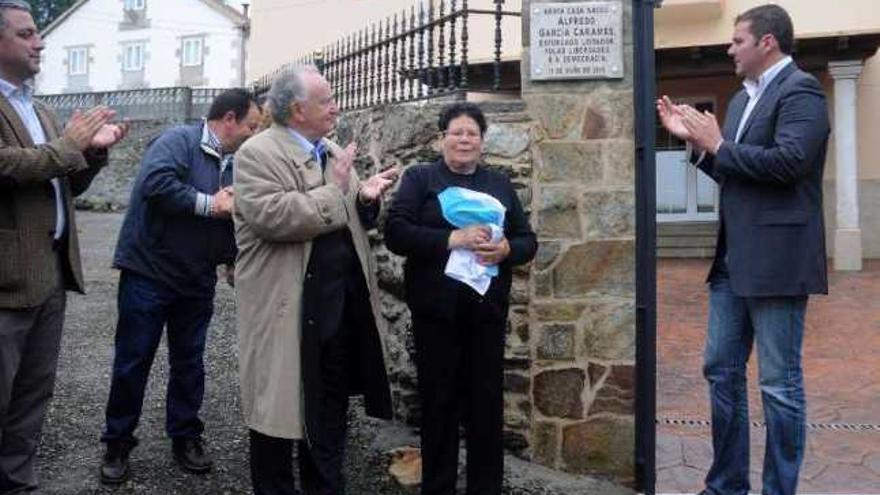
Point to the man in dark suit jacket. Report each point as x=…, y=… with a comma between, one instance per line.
x=768, y=160
x=41, y=169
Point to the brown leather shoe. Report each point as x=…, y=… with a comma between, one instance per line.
x=114, y=466
x=191, y=456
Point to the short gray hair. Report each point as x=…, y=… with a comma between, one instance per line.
x=287, y=88
x=11, y=4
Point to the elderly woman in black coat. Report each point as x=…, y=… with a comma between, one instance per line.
x=459, y=333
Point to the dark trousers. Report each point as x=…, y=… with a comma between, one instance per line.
x=321, y=453
x=30, y=340
x=271, y=461
x=145, y=308
x=459, y=365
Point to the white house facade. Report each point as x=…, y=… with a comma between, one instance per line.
x=108, y=45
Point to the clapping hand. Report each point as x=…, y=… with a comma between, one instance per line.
x=109, y=134
x=84, y=126
x=340, y=170
x=702, y=128
x=372, y=188
x=672, y=118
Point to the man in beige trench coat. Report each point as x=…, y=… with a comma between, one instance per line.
x=309, y=325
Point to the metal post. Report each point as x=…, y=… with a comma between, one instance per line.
x=187, y=104
x=463, y=85
x=318, y=60
x=496, y=66
x=646, y=262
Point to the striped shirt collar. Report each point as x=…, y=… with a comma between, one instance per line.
x=210, y=142
x=211, y=145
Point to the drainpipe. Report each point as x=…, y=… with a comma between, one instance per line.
x=245, y=38
x=646, y=250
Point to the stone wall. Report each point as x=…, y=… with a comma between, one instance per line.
x=582, y=309
x=111, y=189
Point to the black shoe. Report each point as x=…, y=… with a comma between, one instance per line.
x=114, y=467
x=190, y=454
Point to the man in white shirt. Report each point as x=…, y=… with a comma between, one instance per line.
x=768, y=159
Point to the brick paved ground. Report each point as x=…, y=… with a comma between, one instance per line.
x=842, y=376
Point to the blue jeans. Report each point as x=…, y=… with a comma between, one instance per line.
x=776, y=324
x=145, y=307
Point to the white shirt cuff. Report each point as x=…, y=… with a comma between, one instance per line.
x=204, y=204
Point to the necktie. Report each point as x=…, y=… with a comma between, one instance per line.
x=320, y=153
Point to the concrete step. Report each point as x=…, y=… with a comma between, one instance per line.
x=686, y=229
x=686, y=239
x=685, y=252
x=702, y=241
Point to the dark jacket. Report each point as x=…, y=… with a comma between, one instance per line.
x=771, y=221
x=28, y=273
x=415, y=228
x=162, y=237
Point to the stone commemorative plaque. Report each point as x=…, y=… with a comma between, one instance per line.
x=582, y=40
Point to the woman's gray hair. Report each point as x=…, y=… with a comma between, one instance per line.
x=287, y=88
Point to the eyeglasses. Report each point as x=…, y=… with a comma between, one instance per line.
x=463, y=134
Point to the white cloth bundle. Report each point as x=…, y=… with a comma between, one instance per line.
x=463, y=208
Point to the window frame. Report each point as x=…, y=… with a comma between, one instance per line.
x=199, y=52
x=134, y=4
x=79, y=54
x=136, y=47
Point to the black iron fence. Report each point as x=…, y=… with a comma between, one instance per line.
x=415, y=54
x=176, y=104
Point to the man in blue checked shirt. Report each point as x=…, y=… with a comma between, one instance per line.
x=177, y=231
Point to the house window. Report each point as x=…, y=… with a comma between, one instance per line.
x=77, y=61
x=135, y=4
x=133, y=57
x=192, y=52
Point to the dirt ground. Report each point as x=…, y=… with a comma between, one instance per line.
x=70, y=451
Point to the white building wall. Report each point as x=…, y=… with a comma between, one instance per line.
x=96, y=24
